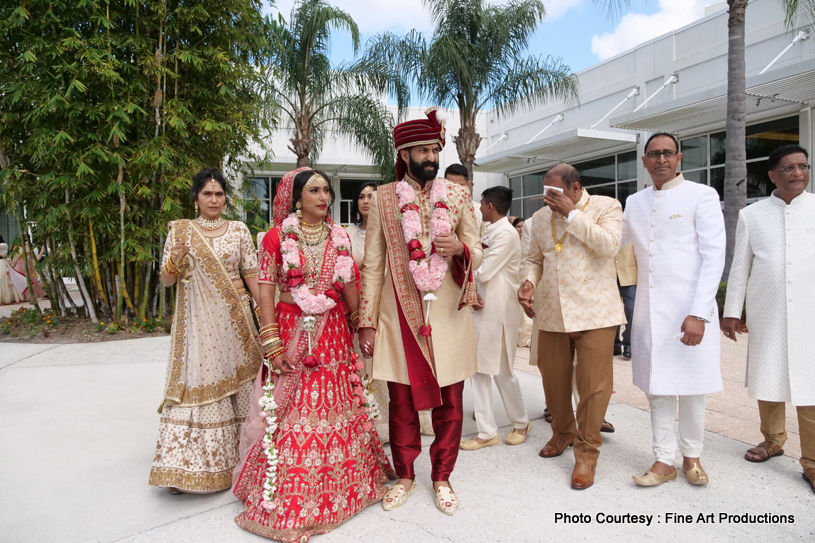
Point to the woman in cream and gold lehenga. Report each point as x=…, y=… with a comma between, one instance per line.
x=214, y=353
x=312, y=456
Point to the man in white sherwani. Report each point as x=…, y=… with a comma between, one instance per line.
x=774, y=268
x=677, y=228
x=496, y=324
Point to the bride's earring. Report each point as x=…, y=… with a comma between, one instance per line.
x=298, y=206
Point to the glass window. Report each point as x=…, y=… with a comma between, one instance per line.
x=533, y=184
x=758, y=179
x=699, y=176
x=627, y=165
x=516, y=184
x=717, y=148
x=624, y=190
x=717, y=181
x=258, y=188
x=595, y=172
x=517, y=208
x=603, y=190
x=763, y=138
x=694, y=153
x=531, y=205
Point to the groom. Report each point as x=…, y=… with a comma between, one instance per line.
x=425, y=353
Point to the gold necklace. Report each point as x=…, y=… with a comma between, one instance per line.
x=207, y=224
x=313, y=234
x=559, y=242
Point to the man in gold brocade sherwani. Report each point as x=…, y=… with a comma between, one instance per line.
x=425, y=353
x=571, y=253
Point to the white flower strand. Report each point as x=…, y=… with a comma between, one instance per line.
x=268, y=405
x=370, y=401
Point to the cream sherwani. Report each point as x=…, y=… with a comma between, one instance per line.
x=578, y=286
x=498, y=279
x=453, y=339
x=496, y=328
x=774, y=269
x=679, y=243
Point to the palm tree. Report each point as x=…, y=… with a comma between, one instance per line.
x=316, y=97
x=735, y=170
x=476, y=60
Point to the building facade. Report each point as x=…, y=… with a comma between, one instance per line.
x=675, y=83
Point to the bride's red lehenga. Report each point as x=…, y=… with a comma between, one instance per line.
x=331, y=464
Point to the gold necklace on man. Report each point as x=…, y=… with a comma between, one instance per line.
x=207, y=224
x=559, y=242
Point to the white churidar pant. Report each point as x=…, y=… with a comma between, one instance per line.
x=510, y=390
x=691, y=426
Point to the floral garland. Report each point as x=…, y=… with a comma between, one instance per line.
x=315, y=304
x=361, y=398
x=268, y=406
x=427, y=272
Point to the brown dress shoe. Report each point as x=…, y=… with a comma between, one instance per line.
x=809, y=477
x=555, y=447
x=582, y=476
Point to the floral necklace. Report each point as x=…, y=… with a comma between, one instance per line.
x=313, y=305
x=427, y=272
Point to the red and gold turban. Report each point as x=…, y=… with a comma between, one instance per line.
x=417, y=132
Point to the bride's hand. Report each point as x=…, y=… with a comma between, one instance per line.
x=281, y=364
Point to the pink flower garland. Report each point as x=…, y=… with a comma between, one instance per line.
x=315, y=304
x=427, y=272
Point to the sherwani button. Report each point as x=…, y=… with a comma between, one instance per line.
x=655, y=209
x=652, y=239
x=651, y=270
x=652, y=286
x=651, y=254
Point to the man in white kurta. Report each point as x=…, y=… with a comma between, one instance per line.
x=774, y=269
x=677, y=228
x=497, y=323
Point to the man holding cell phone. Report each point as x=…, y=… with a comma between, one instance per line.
x=570, y=257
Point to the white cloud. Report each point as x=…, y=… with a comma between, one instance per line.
x=636, y=28
x=556, y=8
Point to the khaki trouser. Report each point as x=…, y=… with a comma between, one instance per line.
x=773, y=419
x=594, y=376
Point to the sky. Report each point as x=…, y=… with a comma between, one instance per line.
x=577, y=31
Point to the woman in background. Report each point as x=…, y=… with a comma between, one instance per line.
x=8, y=292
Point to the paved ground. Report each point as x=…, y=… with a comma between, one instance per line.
x=78, y=425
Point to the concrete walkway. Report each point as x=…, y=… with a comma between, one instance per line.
x=78, y=425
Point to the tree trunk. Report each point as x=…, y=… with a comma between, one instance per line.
x=77, y=271
x=102, y=294
x=735, y=169
x=28, y=271
x=467, y=143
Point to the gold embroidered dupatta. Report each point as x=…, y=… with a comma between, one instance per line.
x=214, y=349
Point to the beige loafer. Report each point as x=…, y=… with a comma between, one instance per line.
x=473, y=445
x=649, y=478
x=696, y=475
x=446, y=500
x=514, y=438
x=397, y=496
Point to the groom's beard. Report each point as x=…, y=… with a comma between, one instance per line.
x=420, y=172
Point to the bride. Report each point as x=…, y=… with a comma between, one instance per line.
x=312, y=457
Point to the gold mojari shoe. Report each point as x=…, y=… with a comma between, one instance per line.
x=397, y=496
x=649, y=478
x=514, y=438
x=696, y=475
x=446, y=500
x=473, y=445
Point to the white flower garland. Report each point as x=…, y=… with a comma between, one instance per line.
x=268, y=405
x=370, y=401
